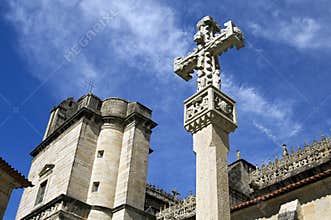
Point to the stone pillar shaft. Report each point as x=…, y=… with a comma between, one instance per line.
x=210, y=117
x=212, y=189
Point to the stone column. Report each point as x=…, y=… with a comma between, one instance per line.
x=105, y=168
x=107, y=159
x=210, y=117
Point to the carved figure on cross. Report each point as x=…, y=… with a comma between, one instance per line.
x=211, y=42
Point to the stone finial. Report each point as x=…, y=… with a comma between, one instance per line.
x=276, y=160
x=285, y=152
x=175, y=193
x=305, y=144
x=262, y=164
x=238, y=155
x=292, y=150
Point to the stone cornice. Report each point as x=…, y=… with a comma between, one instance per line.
x=77, y=116
x=86, y=112
x=141, y=120
x=67, y=205
x=210, y=106
x=132, y=208
x=160, y=194
x=54, y=206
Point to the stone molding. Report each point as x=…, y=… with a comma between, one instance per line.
x=136, y=119
x=160, y=194
x=61, y=204
x=210, y=106
x=90, y=114
x=46, y=170
x=66, y=205
x=112, y=122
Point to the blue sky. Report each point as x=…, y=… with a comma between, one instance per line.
x=280, y=80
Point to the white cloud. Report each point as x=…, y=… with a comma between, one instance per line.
x=143, y=35
x=274, y=119
x=299, y=32
x=268, y=132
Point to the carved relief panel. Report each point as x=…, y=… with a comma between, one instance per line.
x=209, y=106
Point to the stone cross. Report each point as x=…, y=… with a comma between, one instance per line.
x=211, y=42
x=90, y=86
x=210, y=116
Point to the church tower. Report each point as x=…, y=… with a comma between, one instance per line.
x=92, y=162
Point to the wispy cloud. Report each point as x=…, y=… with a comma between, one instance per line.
x=273, y=118
x=144, y=36
x=299, y=32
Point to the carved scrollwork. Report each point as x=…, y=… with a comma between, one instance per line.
x=223, y=106
x=197, y=106
x=45, y=214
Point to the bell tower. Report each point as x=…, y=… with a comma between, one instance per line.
x=92, y=162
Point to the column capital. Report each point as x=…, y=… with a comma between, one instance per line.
x=210, y=106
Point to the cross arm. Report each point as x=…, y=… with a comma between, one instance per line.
x=185, y=66
x=230, y=36
x=220, y=42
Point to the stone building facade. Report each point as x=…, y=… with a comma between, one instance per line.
x=92, y=164
x=294, y=187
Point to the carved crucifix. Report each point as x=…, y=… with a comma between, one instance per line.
x=211, y=42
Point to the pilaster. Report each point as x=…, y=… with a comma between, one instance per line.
x=132, y=172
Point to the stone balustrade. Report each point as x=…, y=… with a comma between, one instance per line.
x=182, y=210
x=292, y=163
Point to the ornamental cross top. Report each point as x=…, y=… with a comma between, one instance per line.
x=211, y=42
